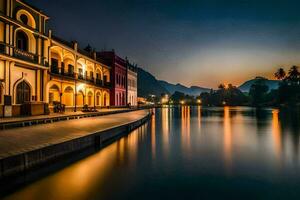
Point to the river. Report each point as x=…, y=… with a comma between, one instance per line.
x=187, y=153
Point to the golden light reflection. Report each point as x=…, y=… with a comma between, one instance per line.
x=276, y=134
x=165, y=127
x=199, y=117
x=227, y=139
x=153, y=137
x=185, y=127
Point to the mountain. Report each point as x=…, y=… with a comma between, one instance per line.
x=272, y=84
x=148, y=84
x=193, y=90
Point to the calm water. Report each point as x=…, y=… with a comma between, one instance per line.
x=189, y=152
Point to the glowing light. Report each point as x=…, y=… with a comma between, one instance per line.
x=182, y=102
x=199, y=101
x=224, y=102
x=80, y=87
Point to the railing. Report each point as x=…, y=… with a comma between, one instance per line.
x=54, y=70
x=90, y=79
x=81, y=77
x=24, y=55
x=107, y=84
x=99, y=82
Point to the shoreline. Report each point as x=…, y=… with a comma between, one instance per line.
x=14, y=162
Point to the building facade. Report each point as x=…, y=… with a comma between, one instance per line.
x=131, y=84
x=118, y=66
x=38, y=69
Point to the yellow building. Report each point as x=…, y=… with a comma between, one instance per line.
x=37, y=69
x=76, y=78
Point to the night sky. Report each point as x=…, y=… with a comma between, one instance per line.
x=196, y=42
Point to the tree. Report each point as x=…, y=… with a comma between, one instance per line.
x=258, y=92
x=280, y=74
x=221, y=86
x=178, y=96
x=294, y=75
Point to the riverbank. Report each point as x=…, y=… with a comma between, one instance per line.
x=14, y=122
x=22, y=149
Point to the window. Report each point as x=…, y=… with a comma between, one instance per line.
x=22, y=41
x=70, y=69
x=22, y=93
x=80, y=73
x=24, y=19
x=98, y=99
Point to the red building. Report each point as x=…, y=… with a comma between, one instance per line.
x=118, y=94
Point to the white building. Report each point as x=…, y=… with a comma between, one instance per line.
x=131, y=84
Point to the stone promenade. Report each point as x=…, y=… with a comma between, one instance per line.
x=21, y=140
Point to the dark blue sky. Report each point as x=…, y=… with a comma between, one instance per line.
x=196, y=42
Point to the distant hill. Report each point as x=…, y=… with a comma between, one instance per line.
x=194, y=90
x=148, y=84
x=272, y=84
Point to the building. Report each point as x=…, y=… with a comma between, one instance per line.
x=38, y=69
x=77, y=78
x=131, y=84
x=118, y=94
x=23, y=58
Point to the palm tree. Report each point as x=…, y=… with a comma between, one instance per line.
x=221, y=86
x=294, y=74
x=280, y=74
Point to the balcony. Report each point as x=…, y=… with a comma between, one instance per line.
x=69, y=74
x=54, y=70
x=107, y=84
x=24, y=55
x=87, y=79
x=99, y=82
x=90, y=79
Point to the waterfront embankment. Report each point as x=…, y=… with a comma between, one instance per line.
x=24, y=148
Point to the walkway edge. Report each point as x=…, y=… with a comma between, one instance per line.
x=28, y=160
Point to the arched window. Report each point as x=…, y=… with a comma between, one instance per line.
x=90, y=96
x=98, y=99
x=22, y=41
x=22, y=92
x=54, y=94
x=24, y=19
x=104, y=100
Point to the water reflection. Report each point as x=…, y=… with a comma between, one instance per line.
x=185, y=128
x=165, y=128
x=227, y=139
x=238, y=148
x=199, y=117
x=276, y=133
x=153, y=136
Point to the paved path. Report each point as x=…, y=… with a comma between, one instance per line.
x=20, y=140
